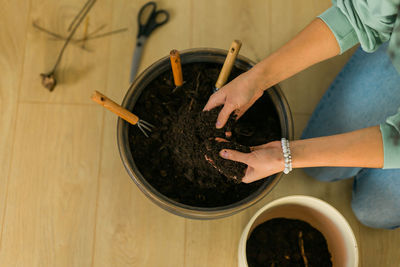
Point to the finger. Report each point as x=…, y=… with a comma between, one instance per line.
x=235, y=155
x=250, y=176
x=249, y=179
x=221, y=140
x=215, y=100
x=224, y=114
x=239, y=113
x=244, y=108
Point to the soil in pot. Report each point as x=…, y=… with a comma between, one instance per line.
x=230, y=169
x=287, y=242
x=173, y=158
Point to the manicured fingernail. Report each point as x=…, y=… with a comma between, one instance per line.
x=218, y=124
x=224, y=154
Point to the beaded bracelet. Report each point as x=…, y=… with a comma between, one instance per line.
x=286, y=155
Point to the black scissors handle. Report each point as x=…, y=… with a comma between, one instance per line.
x=151, y=23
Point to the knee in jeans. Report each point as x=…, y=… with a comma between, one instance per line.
x=320, y=174
x=373, y=216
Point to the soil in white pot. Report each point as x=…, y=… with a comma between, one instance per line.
x=282, y=242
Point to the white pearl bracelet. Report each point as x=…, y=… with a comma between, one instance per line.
x=286, y=155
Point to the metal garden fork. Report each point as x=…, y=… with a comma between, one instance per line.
x=125, y=114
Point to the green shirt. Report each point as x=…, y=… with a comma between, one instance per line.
x=371, y=23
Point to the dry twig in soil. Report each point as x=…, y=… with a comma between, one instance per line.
x=196, y=90
x=301, y=244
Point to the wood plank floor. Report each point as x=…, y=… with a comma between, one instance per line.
x=65, y=198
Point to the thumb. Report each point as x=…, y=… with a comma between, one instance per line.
x=250, y=176
x=224, y=115
x=235, y=155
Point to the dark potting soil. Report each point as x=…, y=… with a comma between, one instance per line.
x=287, y=243
x=173, y=158
x=231, y=169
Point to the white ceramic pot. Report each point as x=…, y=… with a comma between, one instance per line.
x=341, y=241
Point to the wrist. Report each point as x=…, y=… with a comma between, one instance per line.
x=279, y=159
x=261, y=76
x=269, y=71
x=287, y=156
x=298, y=149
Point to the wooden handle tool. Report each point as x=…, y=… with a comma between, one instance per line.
x=228, y=64
x=176, y=67
x=114, y=107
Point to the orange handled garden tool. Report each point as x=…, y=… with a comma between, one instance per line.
x=122, y=112
x=176, y=69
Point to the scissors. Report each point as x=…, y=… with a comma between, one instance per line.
x=155, y=18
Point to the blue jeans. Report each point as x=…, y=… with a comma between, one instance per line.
x=364, y=94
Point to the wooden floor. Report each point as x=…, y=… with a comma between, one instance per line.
x=65, y=198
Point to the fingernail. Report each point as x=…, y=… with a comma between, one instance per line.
x=218, y=124
x=224, y=154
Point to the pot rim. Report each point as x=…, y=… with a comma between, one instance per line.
x=158, y=198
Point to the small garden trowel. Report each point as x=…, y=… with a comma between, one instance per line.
x=228, y=64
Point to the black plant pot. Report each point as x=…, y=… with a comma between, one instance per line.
x=208, y=55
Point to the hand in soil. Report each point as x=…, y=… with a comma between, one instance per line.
x=263, y=161
x=231, y=169
x=238, y=95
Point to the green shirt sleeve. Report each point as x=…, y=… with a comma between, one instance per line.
x=368, y=22
x=391, y=141
x=340, y=26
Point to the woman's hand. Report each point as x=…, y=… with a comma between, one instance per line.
x=263, y=161
x=314, y=44
x=361, y=148
x=238, y=96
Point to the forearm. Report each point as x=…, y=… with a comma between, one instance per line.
x=361, y=148
x=312, y=45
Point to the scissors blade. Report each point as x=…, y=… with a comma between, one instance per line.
x=137, y=55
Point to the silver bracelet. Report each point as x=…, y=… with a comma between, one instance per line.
x=286, y=155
